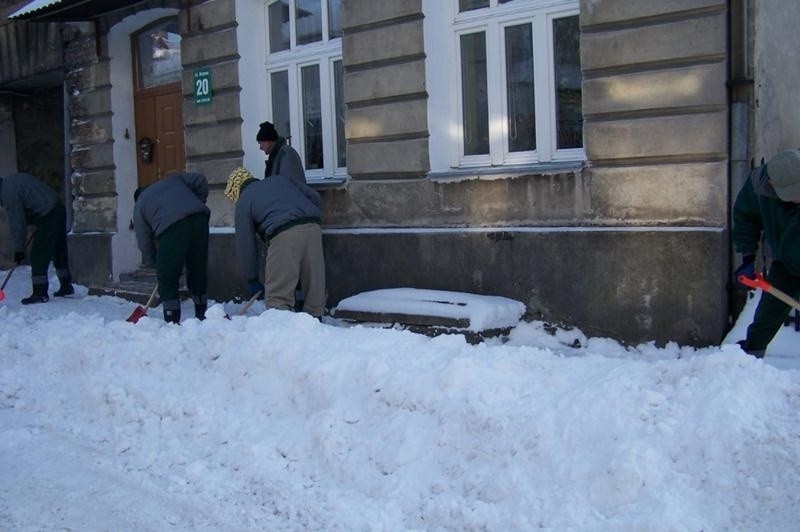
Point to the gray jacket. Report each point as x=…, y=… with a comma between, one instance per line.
x=26, y=199
x=284, y=160
x=265, y=208
x=163, y=203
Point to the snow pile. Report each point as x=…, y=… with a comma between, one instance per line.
x=275, y=421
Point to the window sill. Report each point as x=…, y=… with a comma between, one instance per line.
x=327, y=183
x=505, y=172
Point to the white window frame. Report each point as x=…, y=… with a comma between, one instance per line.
x=445, y=100
x=322, y=54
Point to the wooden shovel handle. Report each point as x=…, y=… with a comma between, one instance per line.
x=152, y=296
x=248, y=304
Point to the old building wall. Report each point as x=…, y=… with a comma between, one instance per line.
x=212, y=136
x=632, y=245
x=776, y=73
x=384, y=61
x=213, y=130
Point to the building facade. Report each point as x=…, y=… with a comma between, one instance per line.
x=579, y=156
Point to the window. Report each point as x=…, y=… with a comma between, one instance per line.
x=517, y=79
x=158, y=54
x=305, y=81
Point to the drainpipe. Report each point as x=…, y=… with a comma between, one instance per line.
x=740, y=93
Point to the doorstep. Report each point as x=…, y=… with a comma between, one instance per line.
x=135, y=286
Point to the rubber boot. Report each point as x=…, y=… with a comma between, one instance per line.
x=39, y=294
x=66, y=288
x=172, y=311
x=758, y=353
x=200, y=306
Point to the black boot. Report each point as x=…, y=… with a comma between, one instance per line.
x=200, y=306
x=172, y=310
x=39, y=295
x=66, y=288
x=758, y=353
x=172, y=315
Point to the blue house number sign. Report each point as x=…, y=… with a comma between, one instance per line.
x=202, y=86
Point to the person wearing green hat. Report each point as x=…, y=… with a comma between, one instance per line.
x=768, y=205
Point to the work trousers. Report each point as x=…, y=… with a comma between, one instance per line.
x=771, y=312
x=50, y=244
x=296, y=254
x=184, y=243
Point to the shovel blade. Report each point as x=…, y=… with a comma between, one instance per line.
x=2, y=295
x=137, y=314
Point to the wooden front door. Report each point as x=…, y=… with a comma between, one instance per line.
x=158, y=101
x=159, y=119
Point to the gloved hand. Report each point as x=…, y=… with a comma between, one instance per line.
x=254, y=286
x=19, y=256
x=748, y=269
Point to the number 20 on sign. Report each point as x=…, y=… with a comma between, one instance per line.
x=202, y=86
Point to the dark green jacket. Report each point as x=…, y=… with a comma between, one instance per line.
x=759, y=210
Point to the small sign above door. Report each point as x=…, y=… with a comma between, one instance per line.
x=202, y=86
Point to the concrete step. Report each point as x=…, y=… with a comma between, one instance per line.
x=136, y=291
x=135, y=286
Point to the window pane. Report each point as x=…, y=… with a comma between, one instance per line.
x=308, y=21
x=338, y=87
x=334, y=19
x=278, y=15
x=158, y=50
x=519, y=72
x=569, y=111
x=279, y=87
x=469, y=5
x=312, y=116
x=474, y=94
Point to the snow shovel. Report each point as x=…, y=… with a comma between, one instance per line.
x=760, y=282
x=140, y=312
x=8, y=275
x=245, y=306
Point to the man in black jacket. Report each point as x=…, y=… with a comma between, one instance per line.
x=28, y=201
x=171, y=223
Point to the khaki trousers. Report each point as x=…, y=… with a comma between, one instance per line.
x=296, y=254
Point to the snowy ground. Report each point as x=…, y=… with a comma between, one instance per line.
x=275, y=421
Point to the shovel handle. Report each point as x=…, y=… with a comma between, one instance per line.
x=763, y=284
x=152, y=296
x=248, y=304
x=8, y=275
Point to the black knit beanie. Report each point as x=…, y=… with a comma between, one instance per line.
x=266, y=131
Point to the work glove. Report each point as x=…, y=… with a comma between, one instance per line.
x=748, y=269
x=19, y=256
x=254, y=286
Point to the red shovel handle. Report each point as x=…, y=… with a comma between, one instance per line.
x=758, y=282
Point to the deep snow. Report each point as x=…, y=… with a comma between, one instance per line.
x=275, y=421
